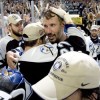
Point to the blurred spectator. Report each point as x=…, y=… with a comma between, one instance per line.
x=91, y=19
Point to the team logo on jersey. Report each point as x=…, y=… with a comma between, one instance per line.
x=47, y=48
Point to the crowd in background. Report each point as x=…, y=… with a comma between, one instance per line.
x=89, y=10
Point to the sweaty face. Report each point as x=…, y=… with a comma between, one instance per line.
x=53, y=29
x=17, y=29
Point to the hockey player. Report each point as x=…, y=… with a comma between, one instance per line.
x=13, y=39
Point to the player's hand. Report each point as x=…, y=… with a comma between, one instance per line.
x=12, y=59
x=63, y=14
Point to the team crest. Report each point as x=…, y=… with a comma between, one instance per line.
x=47, y=48
x=61, y=64
x=15, y=17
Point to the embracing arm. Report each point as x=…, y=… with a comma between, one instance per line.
x=13, y=56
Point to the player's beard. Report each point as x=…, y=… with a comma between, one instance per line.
x=16, y=33
x=94, y=36
x=56, y=41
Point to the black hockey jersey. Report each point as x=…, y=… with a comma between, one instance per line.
x=37, y=61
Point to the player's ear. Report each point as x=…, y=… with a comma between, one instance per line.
x=9, y=27
x=63, y=23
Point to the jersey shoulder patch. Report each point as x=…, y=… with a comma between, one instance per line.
x=41, y=53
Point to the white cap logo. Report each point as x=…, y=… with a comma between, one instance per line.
x=57, y=65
